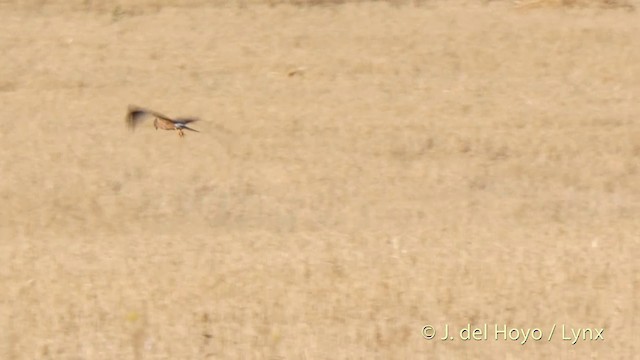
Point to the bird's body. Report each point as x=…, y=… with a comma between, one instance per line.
x=135, y=115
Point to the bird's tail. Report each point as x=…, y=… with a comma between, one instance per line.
x=188, y=128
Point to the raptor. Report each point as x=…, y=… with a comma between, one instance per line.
x=136, y=114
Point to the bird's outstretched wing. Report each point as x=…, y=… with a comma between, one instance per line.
x=181, y=123
x=185, y=120
x=136, y=114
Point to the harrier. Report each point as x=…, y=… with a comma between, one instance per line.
x=136, y=115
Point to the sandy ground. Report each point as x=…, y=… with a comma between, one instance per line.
x=362, y=171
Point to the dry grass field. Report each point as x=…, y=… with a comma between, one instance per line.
x=363, y=170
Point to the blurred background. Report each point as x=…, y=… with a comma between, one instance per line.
x=363, y=169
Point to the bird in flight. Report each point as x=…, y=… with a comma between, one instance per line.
x=136, y=115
